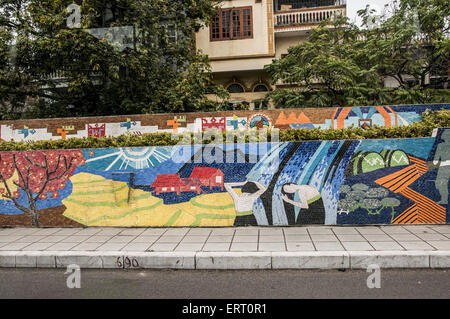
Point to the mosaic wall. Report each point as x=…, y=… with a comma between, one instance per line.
x=53, y=129
x=391, y=181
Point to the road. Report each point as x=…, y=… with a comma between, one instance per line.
x=197, y=284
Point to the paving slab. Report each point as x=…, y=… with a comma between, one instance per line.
x=295, y=231
x=328, y=246
x=244, y=231
x=62, y=246
x=163, y=246
x=145, y=239
x=194, y=239
x=222, y=238
x=406, y=246
x=350, y=237
x=154, y=232
x=297, y=238
x=386, y=245
x=189, y=247
x=245, y=239
x=440, y=245
x=132, y=232
x=345, y=231
x=324, y=237
x=243, y=246
x=272, y=247
x=136, y=247
x=301, y=246
x=320, y=230
x=199, y=231
x=169, y=239
x=67, y=231
x=357, y=246
x=223, y=231
x=271, y=238
x=216, y=247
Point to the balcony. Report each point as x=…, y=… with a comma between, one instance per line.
x=303, y=19
x=280, y=5
x=60, y=80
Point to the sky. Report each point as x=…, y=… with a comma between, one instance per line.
x=354, y=5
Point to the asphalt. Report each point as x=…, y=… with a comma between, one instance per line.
x=229, y=284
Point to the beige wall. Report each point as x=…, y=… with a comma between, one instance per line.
x=258, y=45
x=249, y=71
x=240, y=64
x=283, y=43
x=247, y=79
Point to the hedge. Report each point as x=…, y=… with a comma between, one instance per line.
x=423, y=128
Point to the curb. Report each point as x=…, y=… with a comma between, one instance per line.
x=225, y=260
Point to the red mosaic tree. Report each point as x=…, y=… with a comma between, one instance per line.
x=40, y=174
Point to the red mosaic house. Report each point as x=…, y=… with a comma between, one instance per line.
x=208, y=176
x=168, y=183
x=200, y=176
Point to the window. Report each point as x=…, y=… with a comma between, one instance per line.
x=218, y=179
x=232, y=24
x=260, y=88
x=172, y=33
x=235, y=88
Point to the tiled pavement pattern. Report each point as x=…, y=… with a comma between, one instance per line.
x=244, y=239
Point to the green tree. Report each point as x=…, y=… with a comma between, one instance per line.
x=411, y=42
x=159, y=71
x=347, y=65
x=330, y=69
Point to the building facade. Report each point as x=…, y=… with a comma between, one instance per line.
x=246, y=35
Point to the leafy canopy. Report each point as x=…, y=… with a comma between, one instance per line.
x=160, y=71
x=343, y=64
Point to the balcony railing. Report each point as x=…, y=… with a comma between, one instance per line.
x=302, y=4
x=280, y=5
x=298, y=18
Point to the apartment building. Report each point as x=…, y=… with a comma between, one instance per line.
x=246, y=35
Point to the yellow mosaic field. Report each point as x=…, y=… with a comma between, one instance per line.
x=96, y=201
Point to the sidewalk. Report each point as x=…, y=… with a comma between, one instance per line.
x=325, y=247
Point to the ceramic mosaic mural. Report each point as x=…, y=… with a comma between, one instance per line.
x=324, y=118
x=391, y=181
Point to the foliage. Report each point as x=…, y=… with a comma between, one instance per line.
x=373, y=200
x=347, y=65
x=423, y=128
x=154, y=74
x=39, y=174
